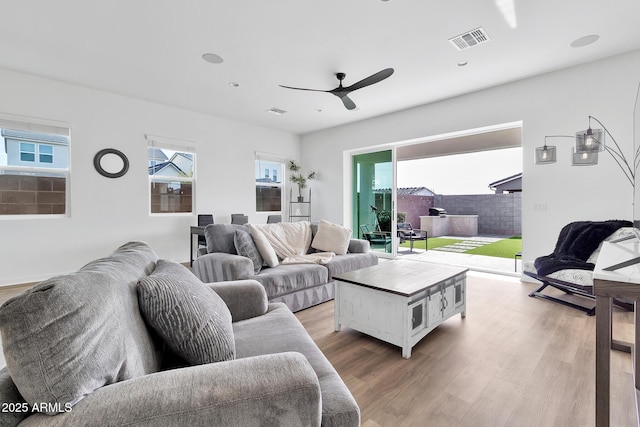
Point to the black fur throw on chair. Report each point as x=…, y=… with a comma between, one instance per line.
x=576, y=242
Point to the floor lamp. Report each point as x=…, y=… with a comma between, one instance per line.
x=588, y=144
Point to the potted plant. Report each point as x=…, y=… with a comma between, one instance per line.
x=384, y=220
x=299, y=178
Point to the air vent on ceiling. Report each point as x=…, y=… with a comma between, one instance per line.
x=470, y=39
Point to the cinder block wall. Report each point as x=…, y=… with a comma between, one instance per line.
x=498, y=214
x=171, y=198
x=32, y=195
x=415, y=206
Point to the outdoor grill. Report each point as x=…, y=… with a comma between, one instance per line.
x=437, y=212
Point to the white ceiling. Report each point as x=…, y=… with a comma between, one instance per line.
x=152, y=50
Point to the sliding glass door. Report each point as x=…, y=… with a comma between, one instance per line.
x=373, y=200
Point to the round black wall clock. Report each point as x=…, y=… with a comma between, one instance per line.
x=111, y=163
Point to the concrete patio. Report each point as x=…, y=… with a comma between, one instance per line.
x=488, y=264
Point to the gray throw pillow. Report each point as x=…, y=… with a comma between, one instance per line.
x=190, y=317
x=220, y=237
x=246, y=247
x=73, y=334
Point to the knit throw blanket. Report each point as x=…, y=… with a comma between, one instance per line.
x=576, y=242
x=291, y=242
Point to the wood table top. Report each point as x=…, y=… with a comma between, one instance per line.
x=401, y=276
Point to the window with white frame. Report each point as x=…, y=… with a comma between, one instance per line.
x=31, y=152
x=34, y=166
x=171, y=165
x=45, y=153
x=269, y=172
x=27, y=152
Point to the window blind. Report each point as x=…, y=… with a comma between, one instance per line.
x=156, y=141
x=32, y=124
x=270, y=157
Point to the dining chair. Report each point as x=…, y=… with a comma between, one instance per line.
x=239, y=219
x=203, y=221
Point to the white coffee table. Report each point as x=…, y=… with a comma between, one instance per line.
x=399, y=301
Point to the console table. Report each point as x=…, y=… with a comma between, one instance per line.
x=620, y=283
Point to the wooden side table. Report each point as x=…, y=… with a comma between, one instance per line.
x=622, y=283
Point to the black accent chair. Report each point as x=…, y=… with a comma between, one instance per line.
x=407, y=232
x=376, y=239
x=576, y=245
x=203, y=221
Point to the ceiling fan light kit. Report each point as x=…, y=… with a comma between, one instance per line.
x=343, y=92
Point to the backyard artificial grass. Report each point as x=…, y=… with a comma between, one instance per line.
x=434, y=242
x=505, y=248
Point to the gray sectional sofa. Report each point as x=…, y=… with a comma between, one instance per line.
x=299, y=286
x=85, y=349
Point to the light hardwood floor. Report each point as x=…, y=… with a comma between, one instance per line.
x=7, y=292
x=513, y=361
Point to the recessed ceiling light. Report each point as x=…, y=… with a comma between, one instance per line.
x=213, y=58
x=276, y=111
x=585, y=41
x=234, y=84
x=462, y=63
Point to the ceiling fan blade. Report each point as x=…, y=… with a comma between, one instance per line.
x=302, y=88
x=348, y=103
x=372, y=79
x=342, y=92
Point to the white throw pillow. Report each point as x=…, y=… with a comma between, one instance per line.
x=264, y=247
x=331, y=238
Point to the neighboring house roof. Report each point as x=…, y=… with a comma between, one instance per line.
x=156, y=154
x=408, y=191
x=155, y=169
x=188, y=156
x=180, y=164
x=511, y=183
x=34, y=136
x=415, y=191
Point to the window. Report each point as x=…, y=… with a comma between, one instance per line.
x=34, y=167
x=27, y=152
x=45, y=153
x=171, y=175
x=268, y=182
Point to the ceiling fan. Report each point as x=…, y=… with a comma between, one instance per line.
x=343, y=92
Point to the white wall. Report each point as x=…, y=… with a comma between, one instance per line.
x=554, y=103
x=106, y=213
